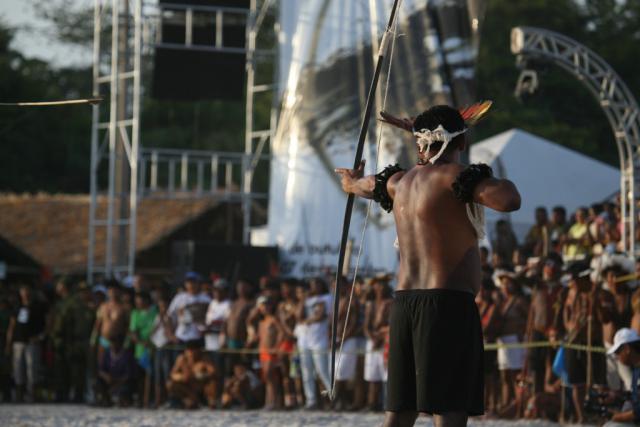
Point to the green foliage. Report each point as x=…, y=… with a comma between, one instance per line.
x=42, y=149
x=562, y=110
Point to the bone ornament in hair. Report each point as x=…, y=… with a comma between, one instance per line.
x=471, y=115
x=427, y=137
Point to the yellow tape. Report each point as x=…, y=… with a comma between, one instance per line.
x=487, y=347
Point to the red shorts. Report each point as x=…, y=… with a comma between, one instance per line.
x=286, y=346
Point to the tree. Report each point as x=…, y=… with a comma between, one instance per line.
x=562, y=110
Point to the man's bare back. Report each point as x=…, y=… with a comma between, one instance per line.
x=438, y=244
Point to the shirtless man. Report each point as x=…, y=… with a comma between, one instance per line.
x=235, y=328
x=193, y=377
x=270, y=331
x=436, y=350
x=287, y=312
x=112, y=320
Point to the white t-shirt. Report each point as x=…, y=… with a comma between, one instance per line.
x=317, y=334
x=158, y=336
x=217, y=311
x=182, y=308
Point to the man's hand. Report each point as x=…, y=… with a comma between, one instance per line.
x=349, y=177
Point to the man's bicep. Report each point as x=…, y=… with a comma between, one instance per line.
x=393, y=182
x=498, y=194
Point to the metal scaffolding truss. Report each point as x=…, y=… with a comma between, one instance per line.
x=115, y=135
x=133, y=173
x=536, y=44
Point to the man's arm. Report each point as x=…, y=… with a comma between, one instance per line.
x=353, y=181
x=498, y=194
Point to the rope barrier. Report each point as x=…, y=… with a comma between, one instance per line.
x=487, y=347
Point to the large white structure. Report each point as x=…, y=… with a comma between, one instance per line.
x=546, y=174
x=326, y=52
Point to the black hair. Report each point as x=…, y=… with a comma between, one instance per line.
x=560, y=209
x=146, y=297
x=448, y=117
x=541, y=209
x=635, y=346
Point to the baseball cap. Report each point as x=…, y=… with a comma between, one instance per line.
x=192, y=275
x=622, y=337
x=221, y=284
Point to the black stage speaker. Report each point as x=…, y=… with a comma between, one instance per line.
x=194, y=73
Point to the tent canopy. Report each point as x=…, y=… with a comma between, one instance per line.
x=545, y=173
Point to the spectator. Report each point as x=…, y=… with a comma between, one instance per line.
x=24, y=337
x=143, y=318
x=513, y=312
x=505, y=242
x=584, y=302
x=376, y=326
x=217, y=315
x=116, y=375
x=188, y=309
x=5, y=363
x=485, y=265
x=314, y=360
x=546, y=302
x=193, y=378
x=626, y=349
x=489, y=317
x=617, y=302
x=235, y=329
x=112, y=320
x=286, y=313
x=558, y=227
x=270, y=331
x=537, y=242
x=71, y=335
x=346, y=364
x=242, y=389
x=578, y=241
x=162, y=337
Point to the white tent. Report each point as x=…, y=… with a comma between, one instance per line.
x=546, y=174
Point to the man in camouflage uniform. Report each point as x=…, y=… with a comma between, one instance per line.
x=71, y=330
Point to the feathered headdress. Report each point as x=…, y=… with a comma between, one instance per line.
x=426, y=137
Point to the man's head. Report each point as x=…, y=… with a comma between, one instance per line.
x=192, y=282
x=142, y=300
x=266, y=305
x=288, y=288
x=317, y=286
x=243, y=288
x=559, y=215
x=626, y=347
x=581, y=215
x=432, y=145
x=579, y=276
x=552, y=267
x=541, y=215
x=25, y=293
x=221, y=289
x=507, y=281
x=194, y=349
x=62, y=288
x=113, y=291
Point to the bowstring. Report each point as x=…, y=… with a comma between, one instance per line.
x=369, y=204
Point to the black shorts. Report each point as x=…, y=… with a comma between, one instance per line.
x=435, y=353
x=576, y=364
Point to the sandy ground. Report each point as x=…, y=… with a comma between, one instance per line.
x=75, y=415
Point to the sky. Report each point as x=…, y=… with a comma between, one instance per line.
x=33, y=37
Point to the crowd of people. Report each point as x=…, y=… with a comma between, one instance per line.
x=565, y=289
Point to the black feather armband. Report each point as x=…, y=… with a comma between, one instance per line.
x=380, y=193
x=467, y=181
